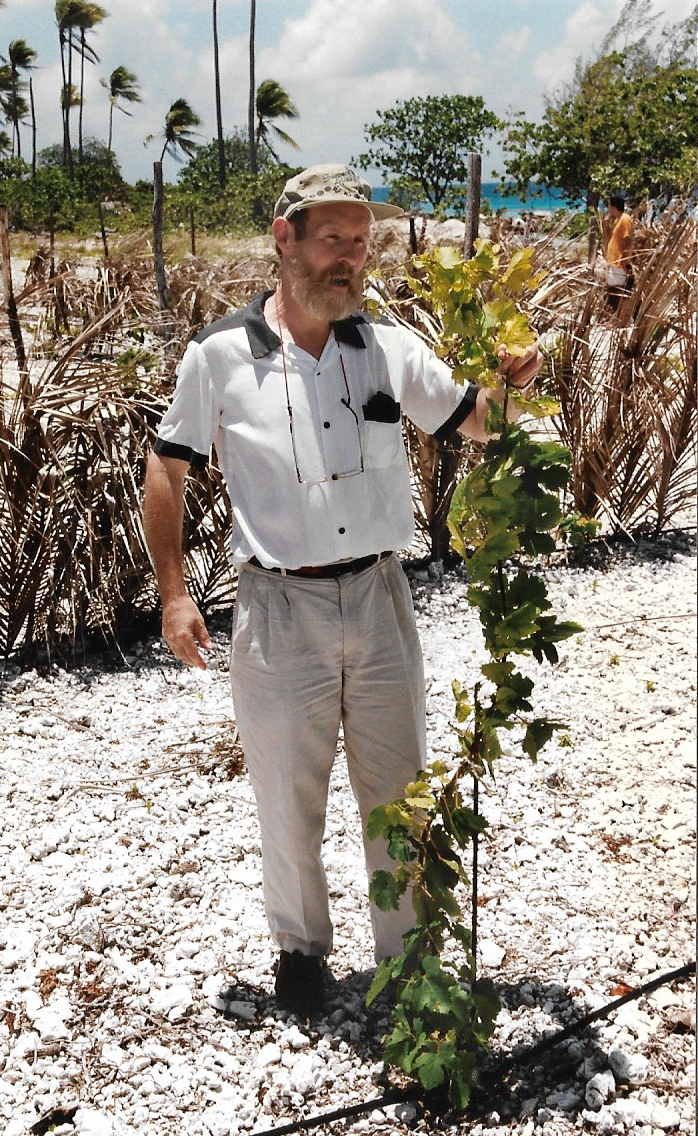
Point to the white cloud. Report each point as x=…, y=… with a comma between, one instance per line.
x=584, y=31
x=363, y=55
x=513, y=44
x=340, y=60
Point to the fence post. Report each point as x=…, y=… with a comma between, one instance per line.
x=472, y=209
x=103, y=231
x=10, y=302
x=158, y=252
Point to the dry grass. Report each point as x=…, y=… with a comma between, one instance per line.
x=76, y=424
x=627, y=383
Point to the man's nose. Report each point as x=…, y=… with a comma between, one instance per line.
x=350, y=253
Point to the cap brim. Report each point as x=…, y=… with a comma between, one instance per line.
x=381, y=210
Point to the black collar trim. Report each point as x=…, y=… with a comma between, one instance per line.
x=262, y=339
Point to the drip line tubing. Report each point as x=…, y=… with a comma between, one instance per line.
x=523, y=1057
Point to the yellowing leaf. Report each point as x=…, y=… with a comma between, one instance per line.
x=519, y=272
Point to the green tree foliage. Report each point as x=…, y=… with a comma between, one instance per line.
x=427, y=140
x=48, y=200
x=406, y=193
x=245, y=199
x=200, y=175
x=98, y=175
x=627, y=121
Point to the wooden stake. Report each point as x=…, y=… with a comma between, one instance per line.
x=10, y=303
x=472, y=209
x=158, y=253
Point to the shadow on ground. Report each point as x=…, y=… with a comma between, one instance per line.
x=512, y=1085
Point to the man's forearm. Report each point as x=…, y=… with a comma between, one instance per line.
x=163, y=514
x=474, y=425
x=183, y=627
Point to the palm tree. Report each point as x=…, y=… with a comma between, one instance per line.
x=179, y=120
x=20, y=58
x=178, y=136
x=72, y=15
x=251, y=102
x=122, y=85
x=273, y=102
x=5, y=88
x=217, y=85
x=15, y=108
x=67, y=14
x=90, y=15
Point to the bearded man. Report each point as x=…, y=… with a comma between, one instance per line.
x=302, y=396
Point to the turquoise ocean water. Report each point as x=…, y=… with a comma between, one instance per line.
x=510, y=202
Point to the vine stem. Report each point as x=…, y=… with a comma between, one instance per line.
x=476, y=836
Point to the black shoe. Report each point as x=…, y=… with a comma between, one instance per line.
x=299, y=984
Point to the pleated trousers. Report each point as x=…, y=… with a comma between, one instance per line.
x=307, y=655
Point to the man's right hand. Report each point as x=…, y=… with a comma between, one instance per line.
x=184, y=631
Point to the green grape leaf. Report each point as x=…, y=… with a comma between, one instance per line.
x=538, y=732
x=430, y=1070
x=385, y=817
x=385, y=891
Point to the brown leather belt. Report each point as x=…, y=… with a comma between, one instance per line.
x=326, y=571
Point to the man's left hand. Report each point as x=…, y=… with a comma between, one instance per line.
x=520, y=369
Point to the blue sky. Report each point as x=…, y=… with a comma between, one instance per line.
x=340, y=61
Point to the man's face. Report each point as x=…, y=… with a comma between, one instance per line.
x=326, y=267
x=614, y=212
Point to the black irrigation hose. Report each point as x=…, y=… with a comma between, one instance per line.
x=524, y=1057
x=397, y=1096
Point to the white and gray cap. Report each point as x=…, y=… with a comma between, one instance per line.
x=330, y=184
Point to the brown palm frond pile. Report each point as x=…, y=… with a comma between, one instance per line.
x=626, y=384
x=75, y=427
x=76, y=423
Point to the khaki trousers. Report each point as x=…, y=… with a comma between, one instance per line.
x=309, y=654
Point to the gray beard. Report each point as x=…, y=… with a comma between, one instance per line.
x=310, y=292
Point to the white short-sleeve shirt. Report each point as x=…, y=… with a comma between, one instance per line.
x=311, y=450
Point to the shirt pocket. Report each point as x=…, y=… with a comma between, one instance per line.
x=383, y=444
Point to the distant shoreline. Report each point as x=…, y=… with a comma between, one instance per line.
x=548, y=201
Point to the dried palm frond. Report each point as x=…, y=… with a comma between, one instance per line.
x=626, y=385
x=76, y=427
x=76, y=424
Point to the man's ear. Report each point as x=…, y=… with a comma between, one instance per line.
x=282, y=232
